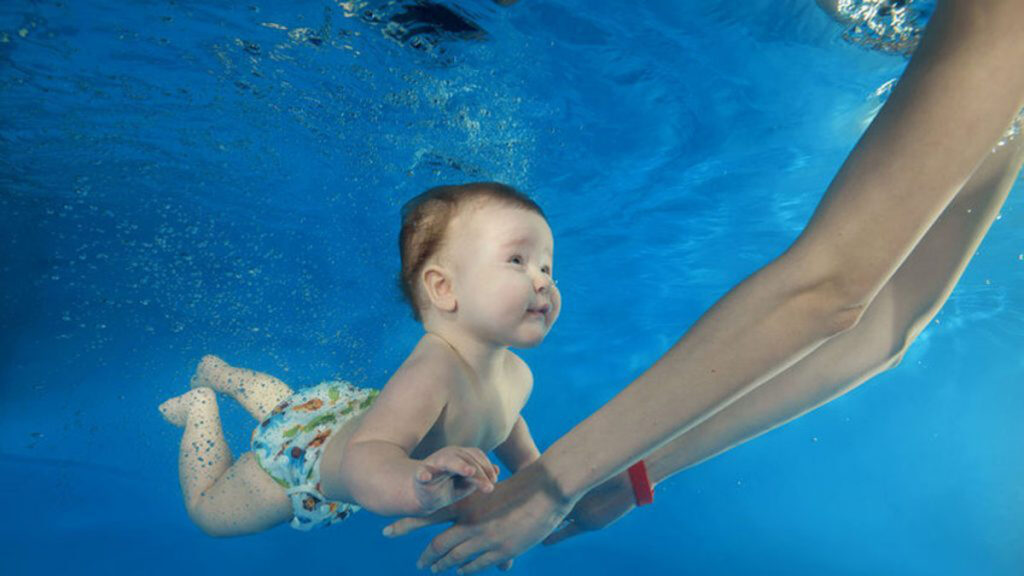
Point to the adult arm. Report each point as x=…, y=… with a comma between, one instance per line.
x=516, y=452
x=890, y=325
x=959, y=91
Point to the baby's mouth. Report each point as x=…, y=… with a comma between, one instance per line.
x=542, y=310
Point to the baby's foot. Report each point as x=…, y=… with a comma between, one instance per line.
x=212, y=372
x=177, y=409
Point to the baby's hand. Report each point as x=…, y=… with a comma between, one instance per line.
x=451, y=474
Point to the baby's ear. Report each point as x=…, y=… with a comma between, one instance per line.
x=438, y=286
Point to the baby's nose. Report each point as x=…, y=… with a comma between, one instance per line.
x=544, y=283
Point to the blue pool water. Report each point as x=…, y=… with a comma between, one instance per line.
x=181, y=177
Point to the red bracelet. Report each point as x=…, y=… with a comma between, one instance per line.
x=642, y=489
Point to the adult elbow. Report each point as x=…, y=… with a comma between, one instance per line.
x=834, y=297
x=830, y=306
x=845, y=317
x=902, y=344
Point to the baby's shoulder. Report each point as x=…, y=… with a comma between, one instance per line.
x=432, y=362
x=519, y=372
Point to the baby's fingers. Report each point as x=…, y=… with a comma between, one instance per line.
x=442, y=471
x=426, y=473
x=461, y=466
x=468, y=465
x=475, y=480
x=477, y=456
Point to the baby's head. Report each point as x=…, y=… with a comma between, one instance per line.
x=479, y=256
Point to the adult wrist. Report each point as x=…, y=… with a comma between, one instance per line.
x=643, y=490
x=565, y=484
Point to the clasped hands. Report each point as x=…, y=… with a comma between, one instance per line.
x=492, y=528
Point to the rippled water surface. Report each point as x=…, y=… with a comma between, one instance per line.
x=180, y=178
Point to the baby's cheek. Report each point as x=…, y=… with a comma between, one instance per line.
x=556, y=304
x=510, y=300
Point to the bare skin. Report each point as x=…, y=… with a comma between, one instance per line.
x=422, y=444
x=890, y=325
x=942, y=120
x=230, y=499
x=221, y=497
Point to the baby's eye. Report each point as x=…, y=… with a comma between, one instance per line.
x=517, y=259
x=546, y=270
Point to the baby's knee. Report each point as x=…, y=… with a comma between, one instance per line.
x=211, y=523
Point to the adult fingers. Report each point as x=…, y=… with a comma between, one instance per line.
x=442, y=544
x=405, y=525
x=459, y=555
x=565, y=532
x=483, y=562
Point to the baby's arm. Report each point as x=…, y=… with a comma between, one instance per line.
x=519, y=449
x=376, y=470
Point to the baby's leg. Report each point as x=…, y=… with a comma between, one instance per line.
x=244, y=500
x=222, y=499
x=259, y=393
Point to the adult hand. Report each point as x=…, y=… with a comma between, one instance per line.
x=492, y=529
x=444, y=515
x=599, y=508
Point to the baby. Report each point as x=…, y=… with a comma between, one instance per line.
x=476, y=269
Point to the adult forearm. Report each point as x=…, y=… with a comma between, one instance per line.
x=766, y=323
x=891, y=323
x=960, y=90
x=837, y=366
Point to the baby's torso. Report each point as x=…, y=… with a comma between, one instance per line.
x=479, y=413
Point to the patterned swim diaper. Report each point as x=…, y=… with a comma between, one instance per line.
x=288, y=444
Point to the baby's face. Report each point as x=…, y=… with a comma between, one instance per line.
x=502, y=261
